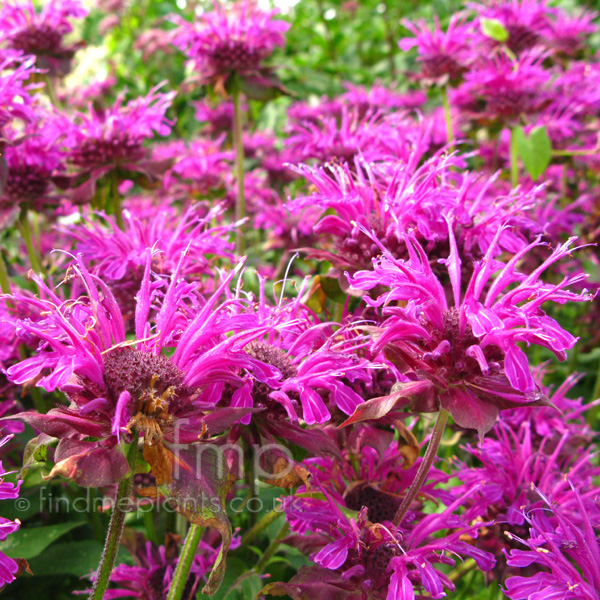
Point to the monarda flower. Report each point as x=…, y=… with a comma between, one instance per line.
x=151, y=575
x=414, y=195
x=443, y=56
x=526, y=462
x=564, y=555
x=15, y=97
x=41, y=34
x=8, y=491
x=113, y=140
x=356, y=558
x=118, y=256
x=527, y=22
x=34, y=157
x=231, y=39
x=501, y=89
x=463, y=353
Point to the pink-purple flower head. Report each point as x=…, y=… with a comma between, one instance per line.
x=16, y=100
x=200, y=167
x=8, y=491
x=507, y=89
x=301, y=367
x=151, y=575
x=374, y=559
x=113, y=138
x=444, y=56
x=468, y=347
x=119, y=256
x=561, y=558
x=33, y=156
x=83, y=352
x=390, y=199
x=526, y=21
x=374, y=136
x=236, y=38
x=41, y=34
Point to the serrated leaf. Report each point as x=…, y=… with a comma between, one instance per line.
x=32, y=541
x=494, y=29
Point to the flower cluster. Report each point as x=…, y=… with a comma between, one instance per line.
x=335, y=335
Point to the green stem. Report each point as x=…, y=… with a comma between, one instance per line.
x=115, y=528
x=116, y=199
x=186, y=558
x=424, y=467
x=270, y=551
x=34, y=258
x=4, y=278
x=269, y=518
x=514, y=160
x=462, y=570
x=447, y=115
x=596, y=392
x=50, y=91
x=149, y=526
x=238, y=143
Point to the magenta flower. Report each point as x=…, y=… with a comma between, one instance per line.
x=444, y=56
x=41, y=34
x=507, y=89
x=300, y=366
x=526, y=21
x=152, y=573
x=565, y=555
x=532, y=456
x=112, y=139
x=15, y=98
x=33, y=156
x=8, y=491
x=384, y=562
x=200, y=167
x=414, y=196
x=568, y=32
x=230, y=39
x=464, y=354
x=119, y=256
x=374, y=136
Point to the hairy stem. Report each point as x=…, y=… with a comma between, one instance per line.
x=186, y=558
x=240, y=201
x=115, y=528
x=424, y=467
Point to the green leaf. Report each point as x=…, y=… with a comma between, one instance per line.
x=494, y=29
x=535, y=150
x=32, y=541
x=68, y=558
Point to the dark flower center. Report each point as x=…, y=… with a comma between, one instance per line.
x=440, y=65
x=26, y=183
x=234, y=55
x=381, y=506
x=378, y=560
x=37, y=39
x=276, y=357
x=137, y=372
x=95, y=152
x=521, y=38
